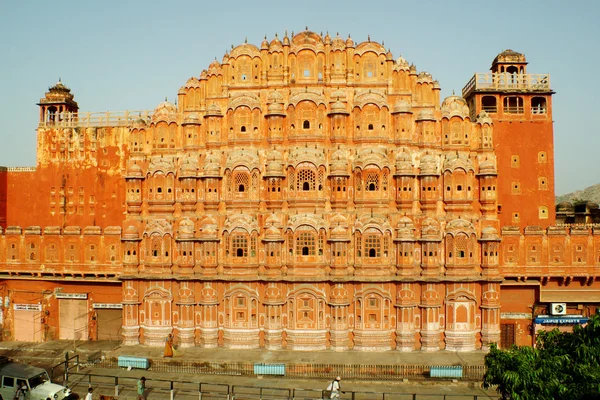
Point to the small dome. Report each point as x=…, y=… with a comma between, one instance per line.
x=165, y=111
x=193, y=82
x=165, y=106
x=430, y=229
x=455, y=106
x=214, y=65
x=273, y=295
x=338, y=43
x=214, y=111
x=402, y=106
x=401, y=64
x=134, y=170
x=484, y=118
x=191, y=119
x=273, y=234
x=338, y=108
x=186, y=229
x=489, y=233
x=510, y=56
x=340, y=234
x=429, y=165
x=424, y=77
x=426, y=114
x=349, y=42
x=405, y=297
x=405, y=230
x=275, y=43
x=488, y=167
x=130, y=233
x=211, y=166
x=189, y=168
x=274, y=164
x=264, y=44
x=208, y=295
x=339, y=295
x=404, y=164
x=327, y=38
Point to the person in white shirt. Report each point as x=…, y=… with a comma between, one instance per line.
x=89, y=396
x=336, y=388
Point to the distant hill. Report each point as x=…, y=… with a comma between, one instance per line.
x=591, y=193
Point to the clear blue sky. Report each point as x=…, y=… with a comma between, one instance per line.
x=130, y=55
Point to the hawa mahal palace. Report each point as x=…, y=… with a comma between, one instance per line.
x=310, y=193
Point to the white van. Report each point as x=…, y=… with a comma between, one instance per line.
x=13, y=375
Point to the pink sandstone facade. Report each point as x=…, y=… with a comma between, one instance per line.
x=307, y=194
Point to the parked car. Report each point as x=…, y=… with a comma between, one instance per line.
x=39, y=387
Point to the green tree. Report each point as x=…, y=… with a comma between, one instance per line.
x=563, y=365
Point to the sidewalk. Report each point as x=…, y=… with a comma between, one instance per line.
x=55, y=350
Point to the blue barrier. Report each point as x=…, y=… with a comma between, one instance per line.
x=133, y=362
x=269, y=369
x=446, y=371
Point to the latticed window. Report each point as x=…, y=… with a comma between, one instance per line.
x=320, y=182
x=239, y=245
x=386, y=245
x=253, y=246
x=358, y=246
x=339, y=184
x=274, y=185
x=305, y=180
x=461, y=244
x=241, y=182
x=305, y=244
x=291, y=179
x=373, y=245
x=372, y=181
x=321, y=241
x=358, y=182
x=255, y=181
x=290, y=242
x=384, y=180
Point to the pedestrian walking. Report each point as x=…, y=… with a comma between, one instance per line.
x=168, y=346
x=335, y=388
x=89, y=395
x=141, y=389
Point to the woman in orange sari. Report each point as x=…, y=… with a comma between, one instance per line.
x=168, y=346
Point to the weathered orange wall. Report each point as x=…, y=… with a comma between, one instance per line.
x=519, y=299
x=525, y=139
x=82, y=187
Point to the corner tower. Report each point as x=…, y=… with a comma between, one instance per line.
x=57, y=105
x=520, y=105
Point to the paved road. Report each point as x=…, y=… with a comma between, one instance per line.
x=186, y=387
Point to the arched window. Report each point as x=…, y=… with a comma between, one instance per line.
x=306, y=124
x=372, y=181
x=239, y=244
x=305, y=177
x=372, y=240
x=306, y=242
x=241, y=181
